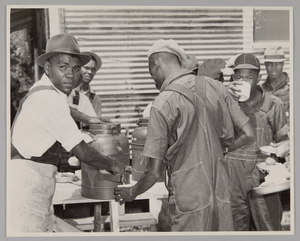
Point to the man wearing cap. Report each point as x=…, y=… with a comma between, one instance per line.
x=267, y=116
x=277, y=81
x=42, y=125
x=197, y=181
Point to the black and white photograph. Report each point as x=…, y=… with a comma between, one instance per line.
x=149, y=120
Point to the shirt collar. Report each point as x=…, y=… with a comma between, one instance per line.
x=267, y=83
x=172, y=77
x=47, y=82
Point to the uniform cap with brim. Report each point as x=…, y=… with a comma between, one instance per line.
x=62, y=44
x=169, y=46
x=274, y=54
x=96, y=57
x=246, y=61
x=192, y=62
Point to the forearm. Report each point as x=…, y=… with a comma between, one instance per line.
x=79, y=116
x=244, y=135
x=89, y=155
x=148, y=179
x=239, y=142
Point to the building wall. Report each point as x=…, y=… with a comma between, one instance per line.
x=121, y=36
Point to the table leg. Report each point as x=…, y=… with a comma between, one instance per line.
x=98, y=225
x=114, y=216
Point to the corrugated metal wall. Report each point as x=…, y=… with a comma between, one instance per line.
x=122, y=37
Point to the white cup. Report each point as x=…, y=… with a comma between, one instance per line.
x=245, y=88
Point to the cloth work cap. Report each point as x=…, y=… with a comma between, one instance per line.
x=96, y=57
x=274, y=54
x=246, y=61
x=211, y=68
x=169, y=46
x=192, y=62
x=62, y=44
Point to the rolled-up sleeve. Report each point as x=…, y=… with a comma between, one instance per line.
x=156, y=144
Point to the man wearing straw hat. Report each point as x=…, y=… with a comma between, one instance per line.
x=277, y=81
x=43, y=124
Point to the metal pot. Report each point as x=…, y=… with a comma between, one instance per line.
x=109, y=141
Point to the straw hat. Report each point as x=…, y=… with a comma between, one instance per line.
x=274, y=54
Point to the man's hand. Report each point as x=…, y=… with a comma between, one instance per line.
x=95, y=120
x=124, y=194
x=117, y=168
x=234, y=90
x=105, y=120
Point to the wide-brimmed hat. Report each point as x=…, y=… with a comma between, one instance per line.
x=62, y=44
x=96, y=57
x=246, y=61
x=169, y=46
x=274, y=54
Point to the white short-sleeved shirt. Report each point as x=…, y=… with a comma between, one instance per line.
x=44, y=119
x=84, y=105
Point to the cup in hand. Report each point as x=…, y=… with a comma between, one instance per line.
x=245, y=88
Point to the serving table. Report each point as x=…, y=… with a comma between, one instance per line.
x=70, y=193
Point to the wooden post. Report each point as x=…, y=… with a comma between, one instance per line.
x=98, y=225
x=114, y=216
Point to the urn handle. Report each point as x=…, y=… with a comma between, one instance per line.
x=119, y=149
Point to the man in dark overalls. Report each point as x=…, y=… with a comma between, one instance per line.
x=185, y=141
x=267, y=116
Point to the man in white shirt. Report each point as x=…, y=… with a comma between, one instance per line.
x=42, y=125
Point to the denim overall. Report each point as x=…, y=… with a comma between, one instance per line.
x=198, y=184
x=263, y=211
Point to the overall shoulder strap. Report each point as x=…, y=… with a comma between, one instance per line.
x=14, y=151
x=188, y=93
x=76, y=98
x=92, y=96
x=33, y=90
x=201, y=87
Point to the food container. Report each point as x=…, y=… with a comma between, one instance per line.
x=109, y=141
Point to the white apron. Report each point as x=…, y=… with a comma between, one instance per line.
x=30, y=190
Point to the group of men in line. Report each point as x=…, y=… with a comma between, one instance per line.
x=205, y=140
